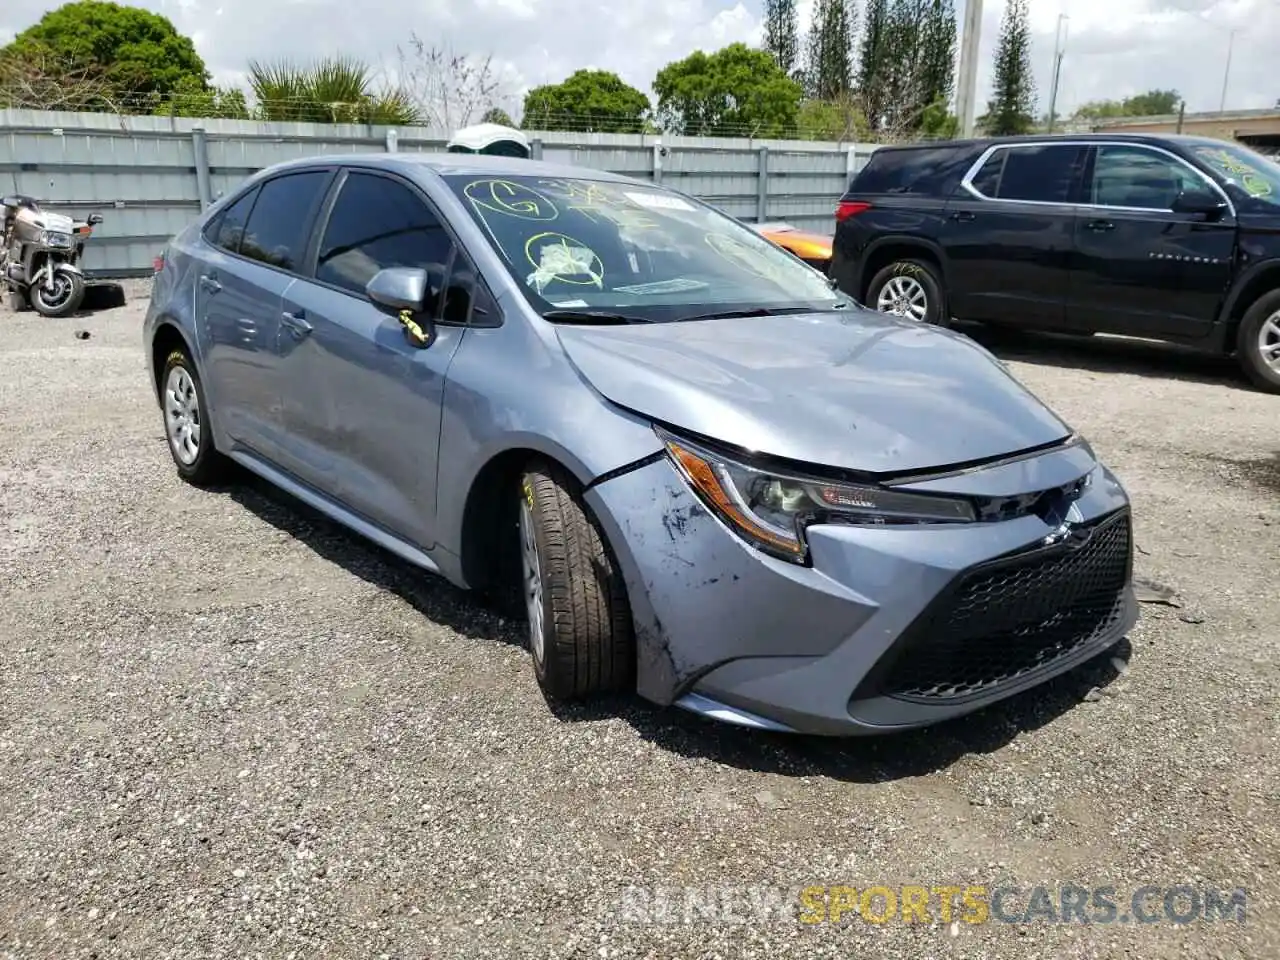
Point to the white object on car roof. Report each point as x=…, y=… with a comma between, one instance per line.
x=493, y=138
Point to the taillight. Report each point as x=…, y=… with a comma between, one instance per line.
x=850, y=208
x=158, y=263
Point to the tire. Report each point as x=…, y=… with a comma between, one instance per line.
x=1261, y=327
x=907, y=278
x=200, y=464
x=64, y=305
x=580, y=630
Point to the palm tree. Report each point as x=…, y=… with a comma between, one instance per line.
x=332, y=90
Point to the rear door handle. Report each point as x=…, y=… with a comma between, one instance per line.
x=1100, y=225
x=297, y=325
x=209, y=282
x=964, y=215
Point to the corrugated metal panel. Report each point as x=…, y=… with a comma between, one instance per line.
x=140, y=172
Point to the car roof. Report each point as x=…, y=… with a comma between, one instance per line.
x=460, y=164
x=975, y=143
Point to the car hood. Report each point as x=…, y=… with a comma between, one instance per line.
x=856, y=390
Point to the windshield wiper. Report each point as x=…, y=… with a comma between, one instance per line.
x=601, y=317
x=753, y=312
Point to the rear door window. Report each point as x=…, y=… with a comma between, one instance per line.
x=228, y=229
x=278, y=227
x=378, y=222
x=1035, y=173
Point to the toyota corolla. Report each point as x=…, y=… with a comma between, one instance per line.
x=696, y=470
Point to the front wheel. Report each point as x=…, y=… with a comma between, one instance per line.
x=580, y=629
x=65, y=297
x=910, y=289
x=1258, y=342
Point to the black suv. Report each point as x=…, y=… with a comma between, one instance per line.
x=1165, y=237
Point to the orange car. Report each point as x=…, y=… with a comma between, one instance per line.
x=813, y=248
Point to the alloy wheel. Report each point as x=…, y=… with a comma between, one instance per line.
x=1269, y=341
x=532, y=581
x=903, y=297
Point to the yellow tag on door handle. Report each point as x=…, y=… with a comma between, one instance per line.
x=413, y=333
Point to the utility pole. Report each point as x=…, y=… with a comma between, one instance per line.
x=1057, y=71
x=1226, y=74
x=966, y=90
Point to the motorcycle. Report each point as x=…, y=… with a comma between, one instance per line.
x=39, y=259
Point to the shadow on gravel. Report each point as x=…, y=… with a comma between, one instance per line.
x=1105, y=354
x=860, y=760
x=433, y=597
x=863, y=759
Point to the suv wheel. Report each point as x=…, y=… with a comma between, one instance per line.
x=580, y=631
x=910, y=289
x=1258, y=342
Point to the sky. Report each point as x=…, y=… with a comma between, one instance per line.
x=1113, y=48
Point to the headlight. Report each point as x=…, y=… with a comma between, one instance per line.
x=771, y=510
x=51, y=238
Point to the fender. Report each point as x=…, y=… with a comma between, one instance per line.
x=900, y=239
x=1242, y=283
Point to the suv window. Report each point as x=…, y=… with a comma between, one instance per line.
x=1038, y=173
x=228, y=228
x=914, y=170
x=1133, y=176
x=277, y=230
x=377, y=223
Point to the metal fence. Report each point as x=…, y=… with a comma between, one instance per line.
x=149, y=176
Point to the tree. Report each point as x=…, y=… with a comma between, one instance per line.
x=137, y=57
x=591, y=100
x=840, y=120
x=1011, y=109
x=938, y=54
x=37, y=80
x=332, y=90
x=735, y=91
x=499, y=116
x=448, y=89
x=191, y=99
x=875, y=62
x=781, y=34
x=919, y=66
x=833, y=24
x=1153, y=103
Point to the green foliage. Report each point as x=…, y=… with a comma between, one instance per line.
x=192, y=99
x=1011, y=109
x=594, y=100
x=839, y=120
x=332, y=90
x=499, y=116
x=735, y=91
x=875, y=62
x=938, y=123
x=1153, y=103
x=781, y=34
x=832, y=51
x=136, y=57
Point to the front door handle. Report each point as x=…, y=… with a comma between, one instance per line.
x=297, y=325
x=209, y=282
x=1100, y=225
x=964, y=215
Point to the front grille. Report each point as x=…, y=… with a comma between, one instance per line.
x=1002, y=620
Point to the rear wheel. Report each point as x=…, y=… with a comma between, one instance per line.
x=910, y=289
x=580, y=630
x=1258, y=342
x=186, y=422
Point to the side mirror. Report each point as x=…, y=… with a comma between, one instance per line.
x=94, y=219
x=409, y=292
x=1200, y=201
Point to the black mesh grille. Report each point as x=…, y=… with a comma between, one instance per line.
x=1002, y=620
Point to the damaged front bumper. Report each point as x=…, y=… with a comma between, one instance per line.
x=888, y=627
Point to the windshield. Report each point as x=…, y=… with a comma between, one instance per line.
x=1250, y=172
x=640, y=252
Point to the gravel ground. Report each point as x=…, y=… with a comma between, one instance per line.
x=228, y=728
